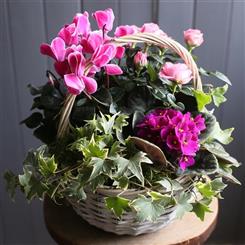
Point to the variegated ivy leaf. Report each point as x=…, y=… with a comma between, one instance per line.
x=147, y=208
x=183, y=205
x=218, y=95
x=200, y=208
x=117, y=204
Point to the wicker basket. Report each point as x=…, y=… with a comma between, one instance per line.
x=93, y=209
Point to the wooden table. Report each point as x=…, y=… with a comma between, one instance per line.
x=67, y=228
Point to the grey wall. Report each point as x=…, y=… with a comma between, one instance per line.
x=24, y=24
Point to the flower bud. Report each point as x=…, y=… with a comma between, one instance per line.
x=140, y=59
x=193, y=37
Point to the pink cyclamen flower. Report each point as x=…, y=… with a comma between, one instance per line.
x=125, y=30
x=140, y=59
x=92, y=41
x=56, y=50
x=82, y=23
x=76, y=81
x=104, y=19
x=112, y=69
x=193, y=37
x=177, y=72
x=120, y=52
x=69, y=34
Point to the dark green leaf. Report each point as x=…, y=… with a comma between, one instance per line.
x=152, y=72
x=33, y=120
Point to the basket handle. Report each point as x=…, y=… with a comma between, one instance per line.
x=149, y=38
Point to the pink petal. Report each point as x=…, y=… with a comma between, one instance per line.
x=82, y=23
x=74, y=84
x=46, y=50
x=112, y=69
x=90, y=84
x=58, y=48
x=120, y=52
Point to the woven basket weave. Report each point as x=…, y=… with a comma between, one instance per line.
x=93, y=209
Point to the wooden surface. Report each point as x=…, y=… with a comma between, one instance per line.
x=68, y=228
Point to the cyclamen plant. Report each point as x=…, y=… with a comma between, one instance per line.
x=137, y=119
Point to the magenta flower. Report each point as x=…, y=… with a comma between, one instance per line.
x=104, y=19
x=174, y=132
x=186, y=161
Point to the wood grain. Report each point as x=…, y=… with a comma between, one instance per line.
x=68, y=228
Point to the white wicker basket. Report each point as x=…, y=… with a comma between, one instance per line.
x=94, y=211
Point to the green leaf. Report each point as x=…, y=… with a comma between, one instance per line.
x=223, y=136
x=182, y=205
x=103, y=96
x=170, y=185
x=47, y=165
x=117, y=204
x=206, y=163
x=221, y=76
x=218, y=185
x=93, y=149
x=225, y=171
x=120, y=122
x=98, y=165
x=210, y=122
x=33, y=120
x=11, y=183
x=75, y=189
x=32, y=186
x=122, y=165
x=205, y=189
x=216, y=74
x=164, y=200
x=134, y=165
x=202, y=98
x=147, y=208
x=219, y=151
x=218, y=95
x=123, y=182
x=152, y=72
x=200, y=209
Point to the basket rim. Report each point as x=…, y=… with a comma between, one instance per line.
x=110, y=191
